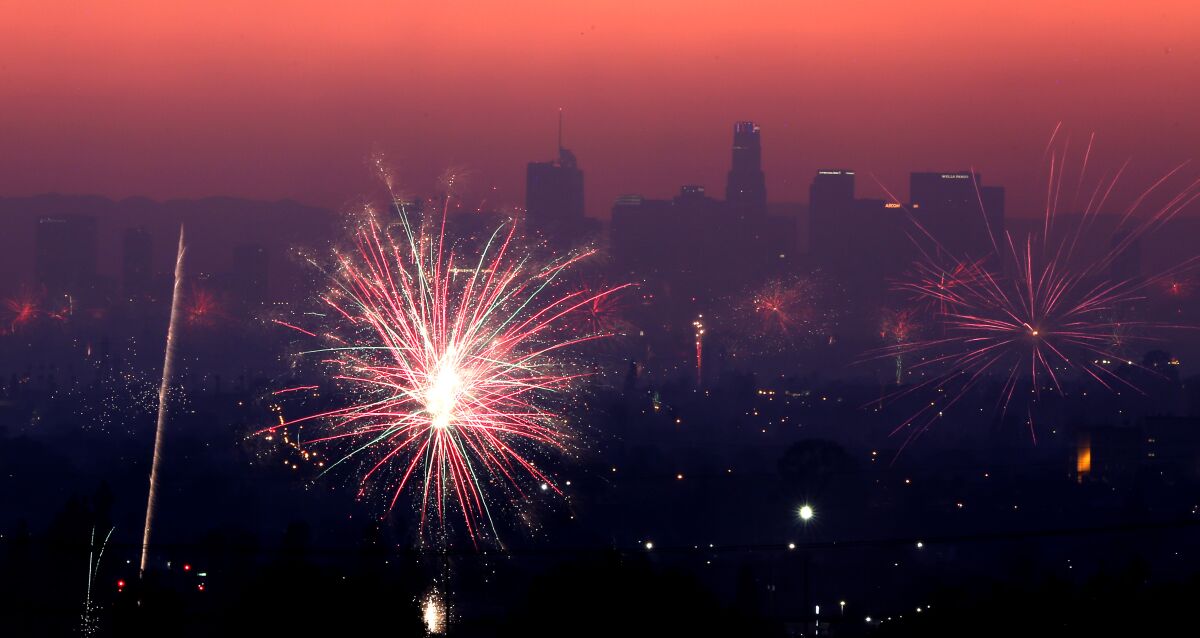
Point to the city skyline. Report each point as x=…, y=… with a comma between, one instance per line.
x=229, y=99
x=765, y=318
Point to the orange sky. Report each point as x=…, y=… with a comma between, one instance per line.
x=285, y=99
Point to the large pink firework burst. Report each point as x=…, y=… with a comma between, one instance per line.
x=1035, y=310
x=454, y=357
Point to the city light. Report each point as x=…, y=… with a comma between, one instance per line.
x=806, y=513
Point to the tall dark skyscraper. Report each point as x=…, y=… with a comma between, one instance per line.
x=137, y=253
x=65, y=255
x=746, y=187
x=554, y=197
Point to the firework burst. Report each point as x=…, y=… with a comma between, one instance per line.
x=202, y=309
x=20, y=312
x=897, y=328
x=1035, y=310
x=453, y=356
x=604, y=314
x=782, y=307
x=781, y=314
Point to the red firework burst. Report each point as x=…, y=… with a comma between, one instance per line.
x=604, y=314
x=781, y=307
x=1180, y=287
x=898, y=325
x=453, y=355
x=203, y=309
x=21, y=311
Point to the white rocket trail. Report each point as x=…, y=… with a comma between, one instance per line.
x=168, y=372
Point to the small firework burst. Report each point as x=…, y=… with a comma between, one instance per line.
x=782, y=314
x=783, y=306
x=604, y=314
x=898, y=325
x=202, y=309
x=21, y=311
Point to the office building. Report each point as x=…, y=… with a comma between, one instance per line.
x=745, y=188
x=65, y=257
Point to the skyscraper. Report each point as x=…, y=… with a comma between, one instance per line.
x=137, y=252
x=686, y=243
x=861, y=243
x=65, y=255
x=961, y=211
x=832, y=190
x=554, y=197
x=746, y=188
x=250, y=264
x=1127, y=264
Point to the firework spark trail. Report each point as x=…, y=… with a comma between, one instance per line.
x=897, y=328
x=163, y=389
x=88, y=621
x=449, y=356
x=1051, y=315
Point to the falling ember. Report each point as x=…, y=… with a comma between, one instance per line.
x=698, y=327
x=453, y=356
x=1034, y=311
x=164, y=388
